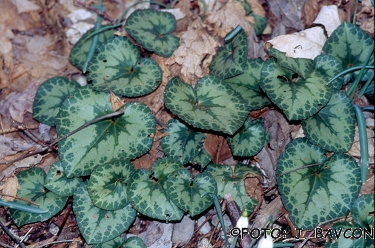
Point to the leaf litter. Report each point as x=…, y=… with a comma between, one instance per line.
x=33, y=49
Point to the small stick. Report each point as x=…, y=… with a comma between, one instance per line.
x=11, y=235
x=21, y=199
x=98, y=12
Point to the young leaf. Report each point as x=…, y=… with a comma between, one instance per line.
x=361, y=209
x=247, y=85
x=149, y=197
x=230, y=60
x=306, y=181
x=152, y=28
x=107, y=184
x=332, y=128
x=249, y=139
x=182, y=144
x=98, y=225
x=300, y=93
x=58, y=183
x=49, y=97
x=350, y=45
x=125, y=137
x=232, y=181
x=212, y=104
x=78, y=54
x=117, y=60
x=186, y=192
x=32, y=188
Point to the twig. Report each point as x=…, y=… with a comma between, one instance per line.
x=19, y=198
x=98, y=12
x=57, y=242
x=300, y=168
x=29, y=134
x=111, y=115
x=11, y=235
x=24, y=237
x=25, y=156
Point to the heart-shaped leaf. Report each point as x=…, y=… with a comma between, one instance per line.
x=186, y=192
x=332, y=128
x=58, y=183
x=350, y=45
x=203, y=158
x=32, y=188
x=78, y=54
x=247, y=85
x=229, y=61
x=117, y=60
x=300, y=92
x=260, y=23
x=232, y=181
x=152, y=28
x=125, y=137
x=98, y=225
x=361, y=209
x=163, y=167
x=149, y=197
x=306, y=181
x=249, y=139
x=107, y=185
x=182, y=144
x=116, y=242
x=49, y=97
x=212, y=104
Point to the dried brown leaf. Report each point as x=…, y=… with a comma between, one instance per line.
x=217, y=147
x=355, y=149
x=9, y=188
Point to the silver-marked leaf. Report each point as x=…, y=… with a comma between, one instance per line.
x=361, y=209
x=149, y=197
x=186, y=192
x=58, y=183
x=332, y=128
x=182, y=144
x=116, y=242
x=203, y=158
x=152, y=28
x=107, y=184
x=134, y=242
x=98, y=225
x=124, y=137
x=249, y=139
x=211, y=105
x=78, y=54
x=350, y=45
x=314, y=190
x=229, y=61
x=329, y=66
x=232, y=181
x=49, y=97
x=165, y=166
x=117, y=60
x=338, y=240
x=298, y=97
x=32, y=188
x=247, y=85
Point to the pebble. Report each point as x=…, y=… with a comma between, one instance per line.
x=183, y=231
x=206, y=228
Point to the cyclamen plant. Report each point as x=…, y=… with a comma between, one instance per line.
x=109, y=138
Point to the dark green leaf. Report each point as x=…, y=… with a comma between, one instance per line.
x=361, y=209
x=117, y=60
x=152, y=28
x=49, y=97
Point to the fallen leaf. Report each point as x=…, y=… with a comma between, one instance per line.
x=25, y=163
x=217, y=147
x=328, y=16
x=25, y=6
x=176, y=12
x=355, y=150
x=194, y=53
x=9, y=188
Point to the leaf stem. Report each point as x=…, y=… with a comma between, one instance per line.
x=300, y=168
x=23, y=207
x=219, y=214
x=110, y=115
x=364, y=88
x=356, y=68
x=363, y=145
x=355, y=12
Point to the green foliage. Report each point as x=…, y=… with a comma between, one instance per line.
x=232, y=181
x=125, y=137
x=182, y=144
x=117, y=61
x=152, y=28
x=332, y=128
x=98, y=225
x=361, y=209
x=49, y=97
x=186, y=192
x=306, y=179
x=32, y=188
x=212, y=104
x=230, y=60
